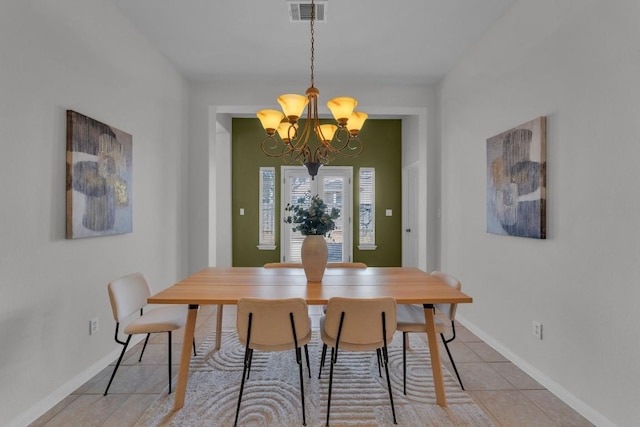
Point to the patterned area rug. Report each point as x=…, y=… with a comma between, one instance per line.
x=272, y=394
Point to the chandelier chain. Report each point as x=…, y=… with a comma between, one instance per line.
x=313, y=18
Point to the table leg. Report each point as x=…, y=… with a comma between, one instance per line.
x=185, y=359
x=218, y=326
x=438, y=382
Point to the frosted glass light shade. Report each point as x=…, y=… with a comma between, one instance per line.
x=293, y=104
x=283, y=130
x=356, y=121
x=342, y=108
x=326, y=132
x=270, y=120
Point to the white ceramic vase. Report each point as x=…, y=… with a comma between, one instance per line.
x=314, y=257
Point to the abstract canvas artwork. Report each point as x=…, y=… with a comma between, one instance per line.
x=99, y=172
x=516, y=181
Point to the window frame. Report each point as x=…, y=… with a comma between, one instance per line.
x=263, y=244
x=346, y=172
x=369, y=246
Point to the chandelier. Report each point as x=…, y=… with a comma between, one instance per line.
x=284, y=139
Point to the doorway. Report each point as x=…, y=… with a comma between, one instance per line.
x=334, y=185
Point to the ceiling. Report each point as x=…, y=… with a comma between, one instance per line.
x=385, y=41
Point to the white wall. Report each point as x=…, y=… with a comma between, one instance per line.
x=578, y=63
x=54, y=56
x=212, y=105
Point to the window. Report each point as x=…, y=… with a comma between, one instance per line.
x=267, y=208
x=367, y=209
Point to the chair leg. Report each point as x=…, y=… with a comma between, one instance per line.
x=244, y=375
x=404, y=362
x=194, y=347
x=385, y=353
x=250, y=360
x=306, y=354
x=455, y=369
x=322, y=357
x=334, y=359
x=218, y=326
x=299, y=361
x=247, y=364
x=124, y=349
x=169, y=346
x=393, y=409
x=146, y=340
x=330, y=383
x=379, y=355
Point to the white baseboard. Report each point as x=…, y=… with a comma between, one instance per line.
x=563, y=394
x=40, y=408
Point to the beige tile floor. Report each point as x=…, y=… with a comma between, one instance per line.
x=507, y=395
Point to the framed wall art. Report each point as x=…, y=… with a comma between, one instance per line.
x=516, y=181
x=99, y=172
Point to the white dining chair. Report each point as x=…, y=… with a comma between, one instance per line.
x=273, y=325
x=358, y=324
x=128, y=295
x=411, y=319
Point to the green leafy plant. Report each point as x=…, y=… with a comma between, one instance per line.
x=311, y=216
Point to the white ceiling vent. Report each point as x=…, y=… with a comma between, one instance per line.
x=300, y=11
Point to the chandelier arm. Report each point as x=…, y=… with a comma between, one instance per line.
x=292, y=133
x=302, y=156
x=316, y=119
x=354, y=151
x=350, y=148
x=316, y=122
x=324, y=155
x=302, y=139
x=341, y=133
x=316, y=157
x=291, y=157
x=337, y=144
x=277, y=148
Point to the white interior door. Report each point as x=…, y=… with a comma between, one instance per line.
x=334, y=185
x=410, y=216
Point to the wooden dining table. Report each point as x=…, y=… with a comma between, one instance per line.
x=225, y=286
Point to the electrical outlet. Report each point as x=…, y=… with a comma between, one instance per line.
x=537, y=330
x=94, y=326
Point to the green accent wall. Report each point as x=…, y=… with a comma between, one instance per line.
x=382, y=151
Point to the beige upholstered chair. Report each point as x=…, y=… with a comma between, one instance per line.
x=128, y=295
x=273, y=325
x=283, y=265
x=329, y=265
x=358, y=324
x=411, y=319
x=346, y=265
x=267, y=265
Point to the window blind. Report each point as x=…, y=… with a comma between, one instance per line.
x=267, y=208
x=367, y=207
